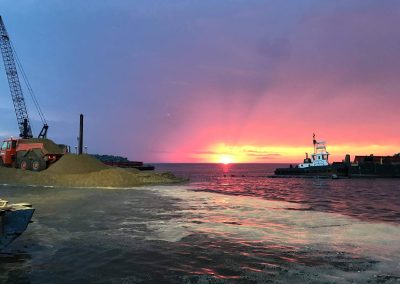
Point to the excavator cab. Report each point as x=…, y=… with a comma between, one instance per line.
x=8, y=152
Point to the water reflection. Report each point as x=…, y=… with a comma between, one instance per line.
x=267, y=237
x=14, y=264
x=366, y=199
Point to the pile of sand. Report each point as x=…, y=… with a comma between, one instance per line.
x=84, y=171
x=76, y=164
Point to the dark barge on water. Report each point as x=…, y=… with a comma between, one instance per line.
x=363, y=166
x=122, y=162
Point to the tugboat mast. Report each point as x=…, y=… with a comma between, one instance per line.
x=314, y=142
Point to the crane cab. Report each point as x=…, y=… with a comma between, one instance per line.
x=8, y=152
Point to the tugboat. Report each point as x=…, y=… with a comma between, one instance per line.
x=14, y=219
x=317, y=165
x=362, y=167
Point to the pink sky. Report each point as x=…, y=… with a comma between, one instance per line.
x=200, y=80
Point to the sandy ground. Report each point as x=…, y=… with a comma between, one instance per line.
x=84, y=171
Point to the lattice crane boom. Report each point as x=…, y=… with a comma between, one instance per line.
x=14, y=83
x=11, y=62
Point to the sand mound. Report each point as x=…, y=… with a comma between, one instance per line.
x=84, y=171
x=76, y=164
x=110, y=177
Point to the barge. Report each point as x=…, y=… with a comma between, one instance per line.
x=123, y=162
x=131, y=164
x=374, y=166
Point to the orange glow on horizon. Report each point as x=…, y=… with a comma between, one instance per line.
x=226, y=154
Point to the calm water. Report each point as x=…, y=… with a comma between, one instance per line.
x=229, y=224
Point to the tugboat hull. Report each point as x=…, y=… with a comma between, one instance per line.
x=310, y=171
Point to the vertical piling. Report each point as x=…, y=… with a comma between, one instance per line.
x=80, y=146
x=347, y=162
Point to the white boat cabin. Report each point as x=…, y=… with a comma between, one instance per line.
x=319, y=158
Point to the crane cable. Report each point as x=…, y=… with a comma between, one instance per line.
x=28, y=85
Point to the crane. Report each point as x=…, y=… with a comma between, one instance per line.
x=11, y=61
x=26, y=153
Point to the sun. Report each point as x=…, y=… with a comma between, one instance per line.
x=225, y=160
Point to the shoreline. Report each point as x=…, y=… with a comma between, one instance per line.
x=85, y=171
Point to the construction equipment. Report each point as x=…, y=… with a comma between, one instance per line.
x=26, y=152
x=34, y=154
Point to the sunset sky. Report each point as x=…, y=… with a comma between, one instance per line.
x=211, y=81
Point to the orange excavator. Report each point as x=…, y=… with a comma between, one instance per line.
x=26, y=152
